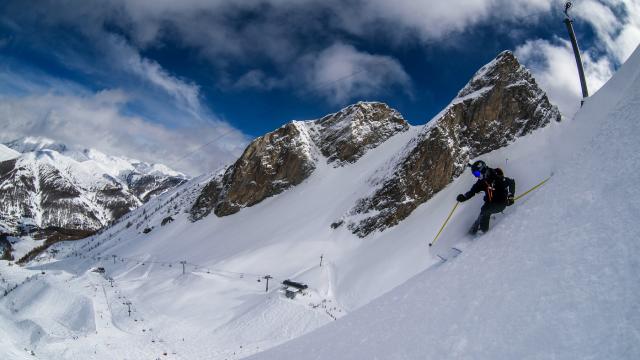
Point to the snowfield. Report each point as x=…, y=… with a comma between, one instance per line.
x=555, y=278
x=7, y=153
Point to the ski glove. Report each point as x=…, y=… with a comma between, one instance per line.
x=461, y=198
x=510, y=200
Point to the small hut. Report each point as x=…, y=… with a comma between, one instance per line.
x=292, y=288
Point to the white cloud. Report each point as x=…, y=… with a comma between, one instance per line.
x=123, y=64
x=338, y=74
x=435, y=20
x=76, y=116
x=341, y=73
x=204, y=23
x=554, y=67
x=257, y=79
x=279, y=31
x=185, y=93
x=616, y=25
x=279, y=35
x=152, y=115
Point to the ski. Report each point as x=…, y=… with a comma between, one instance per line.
x=451, y=253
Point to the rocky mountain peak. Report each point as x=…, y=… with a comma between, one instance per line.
x=505, y=68
x=499, y=104
x=287, y=156
x=269, y=165
x=345, y=136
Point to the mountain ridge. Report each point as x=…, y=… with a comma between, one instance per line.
x=500, y=103
x=53, y=185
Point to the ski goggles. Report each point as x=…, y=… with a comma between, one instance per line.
x=476, y=173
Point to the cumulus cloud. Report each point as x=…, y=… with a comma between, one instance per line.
x=98, y=121
x=554, y=67
x=341, y=73
x=338, y=74
x=616, y=25
x=33, y=103
x=305, y=44
x=277, y=32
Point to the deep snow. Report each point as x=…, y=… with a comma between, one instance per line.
x=555, y=278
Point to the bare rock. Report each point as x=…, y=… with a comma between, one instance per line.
x=501, y=103
x=269, y=165
x=345, y=136
x=284, y=158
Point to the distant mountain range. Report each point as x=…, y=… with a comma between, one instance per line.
x=45, y=184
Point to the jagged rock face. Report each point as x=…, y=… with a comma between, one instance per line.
x=15, y=191
x=502, y=102
x=345, y=136
x=268, y=166
x=284, y=158
x=144, y=187
x=208, y=199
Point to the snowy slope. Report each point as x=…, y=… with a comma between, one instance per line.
x=49, y=184
x=219, y=308
x=7, y=153
x=557, y=278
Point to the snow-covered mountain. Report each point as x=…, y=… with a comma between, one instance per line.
x=549, y=272
x=557, y=278
x=499, y=104
x=283, y=158
x=50, y=185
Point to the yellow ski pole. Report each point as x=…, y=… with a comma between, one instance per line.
x=533, y=188
x=445, y=223
x=458, y=203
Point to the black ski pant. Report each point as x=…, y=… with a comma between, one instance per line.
x=486, y=211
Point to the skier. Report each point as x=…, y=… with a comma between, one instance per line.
x=498, y=191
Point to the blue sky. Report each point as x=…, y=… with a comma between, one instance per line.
x=156, y=80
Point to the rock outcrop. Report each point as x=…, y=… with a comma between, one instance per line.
x=500, y=103
x=345, y=136
x=268, y=166
x=278, y=160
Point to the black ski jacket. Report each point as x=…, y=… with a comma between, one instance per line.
x=495, y=185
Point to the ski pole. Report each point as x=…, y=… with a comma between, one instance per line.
x=533, y=188
x=445, y=223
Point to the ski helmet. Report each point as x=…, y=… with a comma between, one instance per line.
x=478, y=168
